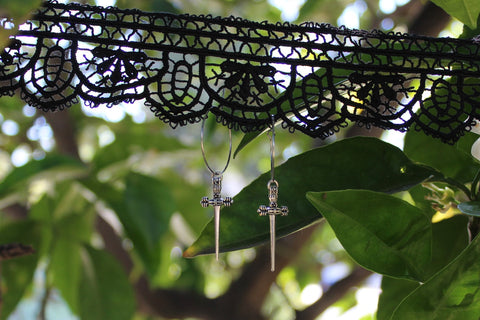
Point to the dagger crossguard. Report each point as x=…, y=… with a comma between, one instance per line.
x=273, y=208
x=275, y=211
x=217, y=200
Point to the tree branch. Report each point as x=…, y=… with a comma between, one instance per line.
x=42, y=314
x=430, y=21
x=253, y=286
x=1, y=291
x=16, y=211
x=64, y=132
x=335, y=293
x=14, y=250
x=160, y=302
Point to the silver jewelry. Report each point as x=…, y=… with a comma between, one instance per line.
x=217, y=201
x=273, y=209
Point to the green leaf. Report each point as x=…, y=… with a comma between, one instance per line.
x=419, y=194
x=466, y=11
x=17, y=273
x=466, y=142
x=183, y=192
x=358, y=163
x=105, y=293
x=18, y=13
x=148, y=208
x=130, y=140
x=144, y=209
x=247, y=138
x=69, y=214
x=76, y=227
x=65, y=270
x=472, y=208
x=452, y=293
x=68, y=219
x=469, y=33
x=450, y=238
x=448, y=159
x=381, y=232
x=65, y=214
x=393, y=292
x=52, y=167
x=148, y=5
x=321, y=10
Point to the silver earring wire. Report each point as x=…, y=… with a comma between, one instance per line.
x=273, y=209
x=272, y=149
x=204, y=154
x=217, y=201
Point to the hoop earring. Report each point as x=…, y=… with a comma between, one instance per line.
x=217, y=201
x=273, y=209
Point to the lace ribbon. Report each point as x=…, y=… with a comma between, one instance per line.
x=315, y=78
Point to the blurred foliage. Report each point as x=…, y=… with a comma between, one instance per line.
x=146, y=180
x=467, y=11
x=11, y=10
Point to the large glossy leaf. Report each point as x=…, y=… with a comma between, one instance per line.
x=450, y=238
x=358, y=163
x=451, y=161
x=381, y=232
x=452, y=293
x=469, y=33
x=105, y=293
x=17, y=273
x=466, y=142
x=466, y=11
x=472, y=208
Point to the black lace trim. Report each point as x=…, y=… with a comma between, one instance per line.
x=315, y=78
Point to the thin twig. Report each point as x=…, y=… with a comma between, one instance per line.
x=473, y=227
x=1, y=293
x=42, y=315
x=14, y=250
x=335, y=293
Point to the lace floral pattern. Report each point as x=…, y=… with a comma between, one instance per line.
x=315, y=78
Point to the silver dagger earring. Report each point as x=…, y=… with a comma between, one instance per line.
x=216, y=201
x=273, y=209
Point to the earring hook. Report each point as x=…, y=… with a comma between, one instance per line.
x=272, y=149
x=204, y=154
